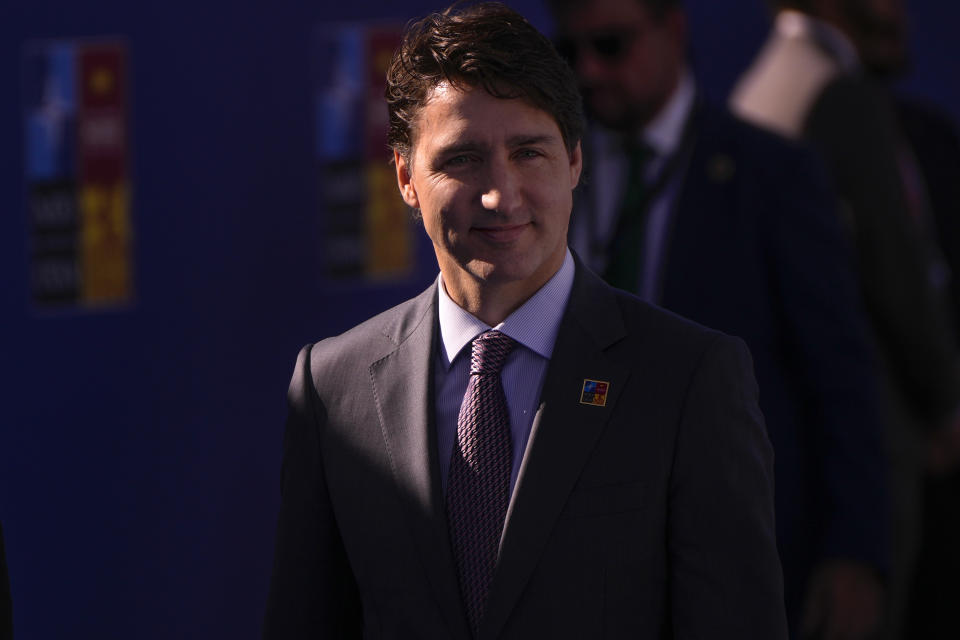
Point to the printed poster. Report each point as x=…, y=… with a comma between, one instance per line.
x=77, y=174
x=368, y=231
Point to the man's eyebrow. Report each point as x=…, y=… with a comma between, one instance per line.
x=525, y=139
x=519, y=140
x=458, y=147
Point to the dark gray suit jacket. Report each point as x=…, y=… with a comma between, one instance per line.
x=650, y=517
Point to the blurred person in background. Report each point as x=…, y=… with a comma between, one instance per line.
x=736, y=228
x=932, y=171
x=815, y=79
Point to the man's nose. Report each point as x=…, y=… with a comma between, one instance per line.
x=589, y=66
x=503, y=191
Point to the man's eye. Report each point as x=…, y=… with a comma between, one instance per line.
x=457, y=161
x=528, y=153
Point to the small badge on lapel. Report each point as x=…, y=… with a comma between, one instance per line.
x=594, y=393
x=721, y=168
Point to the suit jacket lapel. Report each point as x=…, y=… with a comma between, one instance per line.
x=403, y=388
x=702, y=220
x=564, y=433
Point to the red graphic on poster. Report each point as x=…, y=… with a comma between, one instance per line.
x=103, y=180
x=389, y=245
x=369, y=234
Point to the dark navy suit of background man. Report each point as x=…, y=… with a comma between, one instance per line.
x=738, y=230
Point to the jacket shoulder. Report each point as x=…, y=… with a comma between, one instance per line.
x=373, y=338
x=667, y=326
x=658, y=337
x=722, y=130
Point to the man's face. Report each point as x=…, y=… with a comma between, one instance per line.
x=493, y=181
x=878, y=29
x=628, y=62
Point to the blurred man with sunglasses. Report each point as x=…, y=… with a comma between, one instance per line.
x=736, y=228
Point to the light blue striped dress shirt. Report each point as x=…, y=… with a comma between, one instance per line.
x=534, y=326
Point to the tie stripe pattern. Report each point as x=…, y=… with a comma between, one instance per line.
x=478, y=487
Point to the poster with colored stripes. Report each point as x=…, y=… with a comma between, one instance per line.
x=368, y=232
x=77, y=174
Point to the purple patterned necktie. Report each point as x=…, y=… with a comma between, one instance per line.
x=478, y=487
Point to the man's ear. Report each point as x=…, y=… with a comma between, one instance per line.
x=407, y=189
x=576, y=165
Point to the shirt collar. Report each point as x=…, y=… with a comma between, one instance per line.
x=534, y=324
x=794, y=24
x=665, y=132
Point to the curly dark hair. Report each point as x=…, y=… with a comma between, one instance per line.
x=487, y=45
x=657, y=8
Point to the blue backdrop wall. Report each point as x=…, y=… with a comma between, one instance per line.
x=140, y=448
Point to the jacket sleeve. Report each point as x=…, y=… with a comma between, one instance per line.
x=725, y=576
x=828, y=342
x=312, y=590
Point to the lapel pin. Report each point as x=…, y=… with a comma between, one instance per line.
x=721, y=168
x=594, y=392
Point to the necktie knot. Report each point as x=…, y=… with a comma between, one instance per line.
x=489, y=352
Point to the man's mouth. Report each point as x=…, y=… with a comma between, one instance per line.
x=503, y=233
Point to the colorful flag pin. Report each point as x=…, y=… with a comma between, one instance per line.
x=594, y=392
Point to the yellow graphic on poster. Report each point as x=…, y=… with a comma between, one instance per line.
x=105, y=243
x=388, y=225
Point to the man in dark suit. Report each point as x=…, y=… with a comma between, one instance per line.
x=735, y=228
x=605, y=471
x=932, y=611
x=930, y=164
x=808, y=82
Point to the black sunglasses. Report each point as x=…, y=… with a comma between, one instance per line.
x=609, y=46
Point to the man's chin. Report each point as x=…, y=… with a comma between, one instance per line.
x=493, y=272
x=610, y=114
